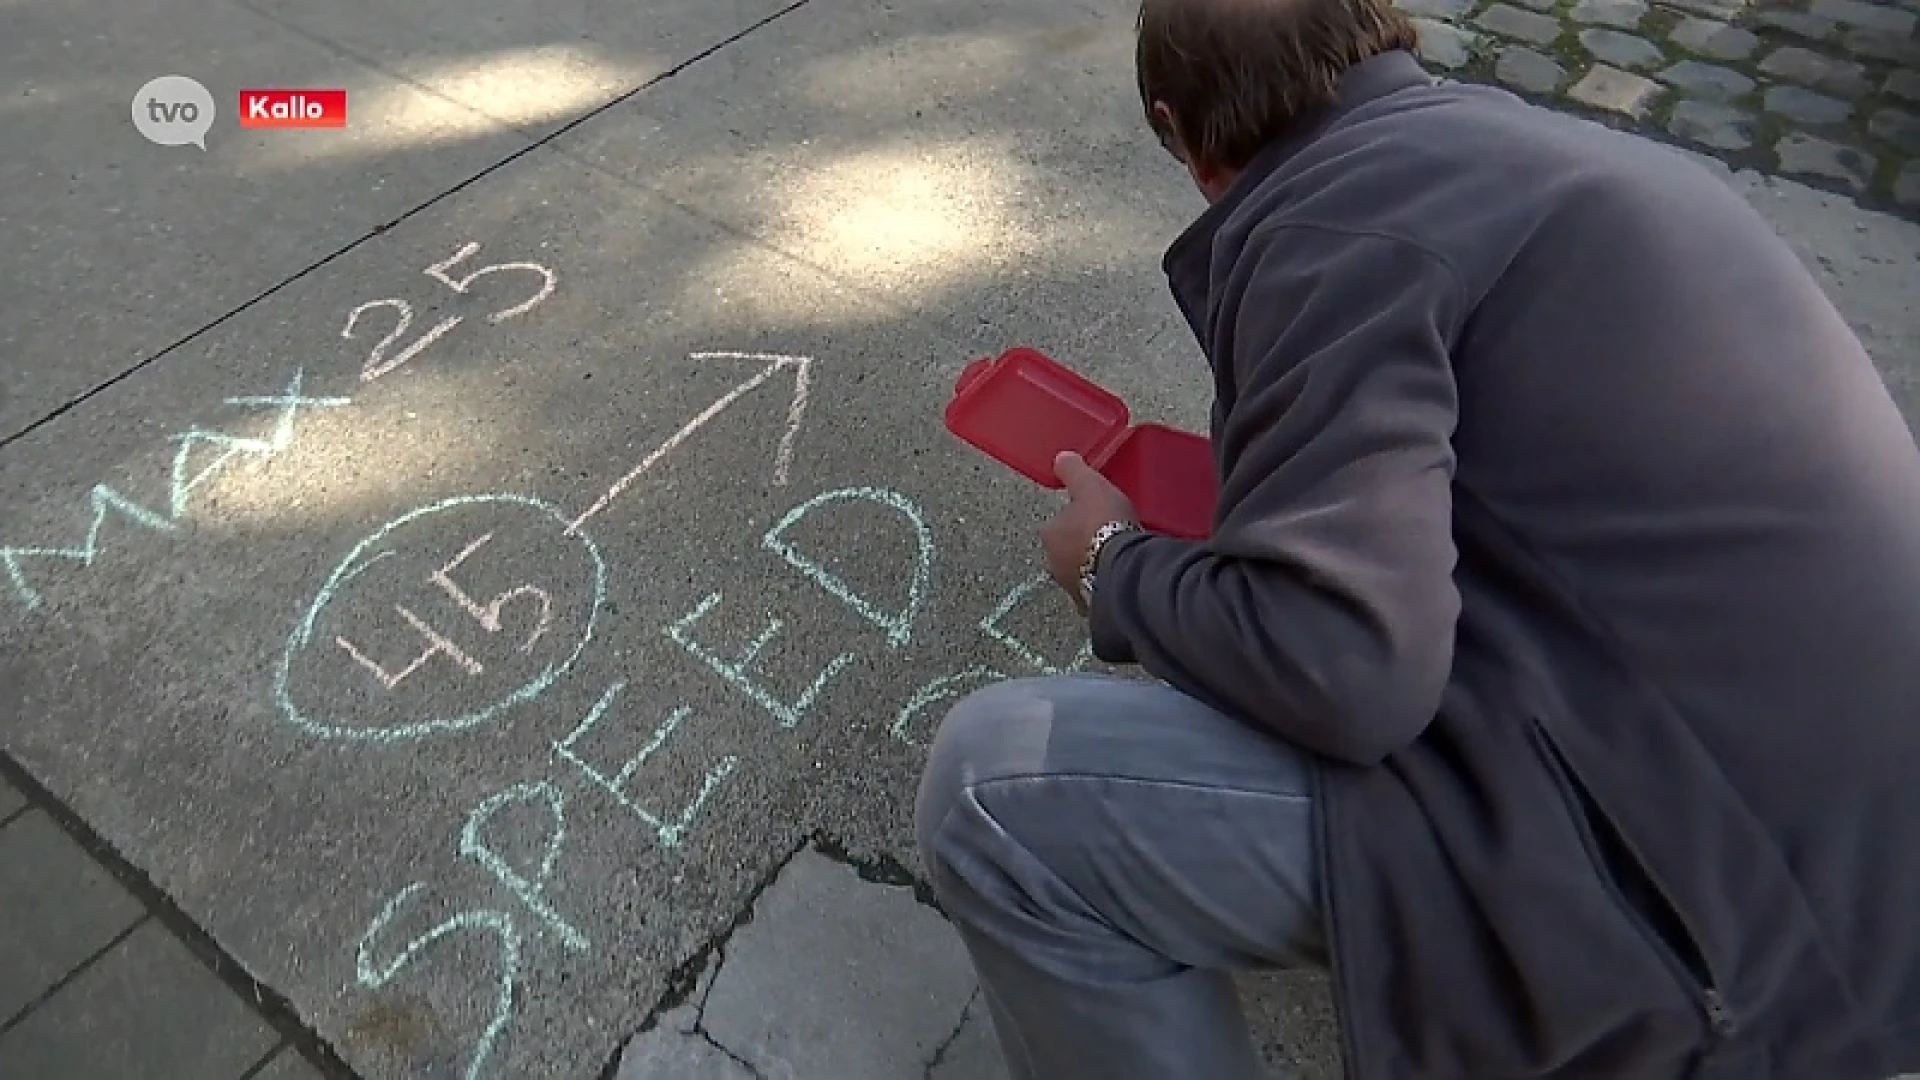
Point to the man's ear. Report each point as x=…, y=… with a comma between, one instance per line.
x=1169, y=131
x=1212, y=180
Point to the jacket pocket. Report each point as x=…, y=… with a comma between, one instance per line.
x=1639, y=896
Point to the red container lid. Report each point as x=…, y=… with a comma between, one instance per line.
x=1169, y=477
x=1023, y=410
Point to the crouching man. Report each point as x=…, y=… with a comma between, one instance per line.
x=1553, y=670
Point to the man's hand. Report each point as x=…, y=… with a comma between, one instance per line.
x=1091, y=503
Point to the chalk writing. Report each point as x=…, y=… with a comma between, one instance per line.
x=933, y=693
x=496, y=923
x=378, y=361
x=184, y=480
x=379, y=546
x=488, y=616
x=669, y=833
x=529, y=889
x=783, y=456
x=289, y=403
x=739, y=674
x=437, y=645
x=104, y=500
x=438, y=272
x=532, y=893
x=898, y=625
x=796, y=407
x=947, y=687
x=991, y=627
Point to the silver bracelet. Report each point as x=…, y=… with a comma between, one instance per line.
x=1100, y=537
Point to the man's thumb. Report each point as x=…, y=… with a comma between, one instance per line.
x=1072, y=469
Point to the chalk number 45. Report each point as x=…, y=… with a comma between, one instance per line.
x=383, y=359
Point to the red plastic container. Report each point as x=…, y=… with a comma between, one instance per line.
x=1022, y=409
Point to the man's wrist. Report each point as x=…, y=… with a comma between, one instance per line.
x=1090, y=569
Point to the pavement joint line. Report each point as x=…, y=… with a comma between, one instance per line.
x=297, y=1037
x=721, y=952
x=719, y=961
x=378, y=230
x=270, y=1005
x=74, y=973
x=914, y=316
x=266, y=1059
x=685, y=977
x=611, y=1070
x=946, y=1044
x=906, y=312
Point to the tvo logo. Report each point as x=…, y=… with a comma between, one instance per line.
x=173, y=110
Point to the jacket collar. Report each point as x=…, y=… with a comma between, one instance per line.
x=1188, y=261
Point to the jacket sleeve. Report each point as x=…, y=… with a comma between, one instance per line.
x=1323, y=606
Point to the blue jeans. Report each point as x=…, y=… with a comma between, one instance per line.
x=1111, y=851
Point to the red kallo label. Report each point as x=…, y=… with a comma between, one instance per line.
x=293, y=108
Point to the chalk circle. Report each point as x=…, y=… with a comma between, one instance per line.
x=358, y=561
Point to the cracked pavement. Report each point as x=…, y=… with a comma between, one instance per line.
x=833, y=973
x=831, y=976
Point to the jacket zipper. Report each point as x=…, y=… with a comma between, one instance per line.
x=1349, y=1045
x=1719, y=1015
x=1721, y=1021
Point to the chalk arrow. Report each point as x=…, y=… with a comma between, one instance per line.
x=776, y=363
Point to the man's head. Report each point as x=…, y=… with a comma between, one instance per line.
x=1222, y=79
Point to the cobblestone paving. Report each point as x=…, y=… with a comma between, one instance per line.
x=1826, y=91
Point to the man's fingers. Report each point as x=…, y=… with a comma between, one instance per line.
x=1073, y=470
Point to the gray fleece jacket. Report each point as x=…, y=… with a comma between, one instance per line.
x=1564, y=518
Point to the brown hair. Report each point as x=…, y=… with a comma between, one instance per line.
x=1236, y=74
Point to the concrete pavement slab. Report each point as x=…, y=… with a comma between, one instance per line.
x=57, y=909
x=664, y=1054
x=535, y=67
x=10, y=800
x=1005, y=186
x=673, y=1046
x=672, y=1043
x=835, y=976
x=115, y=248
x=147, y=1010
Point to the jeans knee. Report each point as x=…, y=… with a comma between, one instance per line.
x=971, y=737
